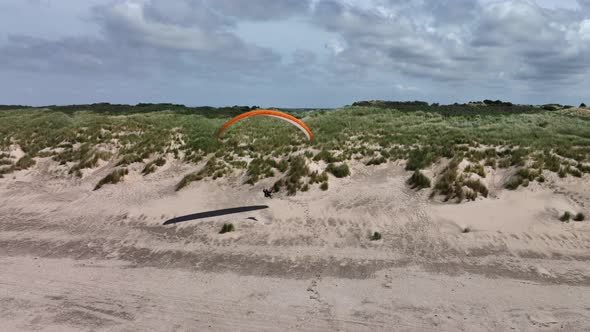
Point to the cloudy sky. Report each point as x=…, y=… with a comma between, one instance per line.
x=293, y=53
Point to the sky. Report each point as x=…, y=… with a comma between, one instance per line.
x=293, y=53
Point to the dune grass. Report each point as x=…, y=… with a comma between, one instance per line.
x=497, y=135
x=227, y=228
x=114, y=177
x=419, y=180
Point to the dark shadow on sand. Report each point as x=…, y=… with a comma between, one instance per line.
x=214, y=213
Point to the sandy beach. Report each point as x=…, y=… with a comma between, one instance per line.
x=77, y=259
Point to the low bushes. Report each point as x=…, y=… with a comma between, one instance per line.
x=420, y=159
x=377, y=161
x=25, y=162
x=418, y=180
x=477, y=186
x=476, y=168
x=523, y=177
x=339, y=171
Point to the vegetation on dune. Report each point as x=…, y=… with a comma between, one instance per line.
x=523, y=177
x=338, y=171
x=153, y=165
x=419, y=180
x=227, y=228
x=24, y=162
x=494, y=134
x=114, y=177
x=420, y=159
x=579, y=217
x=453, y=184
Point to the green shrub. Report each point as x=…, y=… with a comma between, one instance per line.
x=420, y=159
x=476, y=168
x=376, y=161
x=324, y=186
x=513, y=182
x=471, y=195
x=504, y=163
x=339, y=171
x=114, y=177
x=562, y=172
x=477, y=186
x=326, y=156
x=446, y=182
x=227, y=228
x=566, y=216
x=518, y=157
x=282, y=166
x=527, y=173
x=25, y=162
x=419, y=180
x=297, y=170
x=552, y=162
x=376, y=236
x=579, y=217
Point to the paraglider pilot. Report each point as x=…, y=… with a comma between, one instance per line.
x=267, y=193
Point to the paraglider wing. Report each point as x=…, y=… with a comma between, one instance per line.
x=272, y=113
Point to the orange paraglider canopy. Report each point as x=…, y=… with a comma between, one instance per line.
x=276, y=114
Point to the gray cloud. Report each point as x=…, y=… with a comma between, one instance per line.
x=136, y=43
x=462, y=40
x=380, y=47
x=261, y=9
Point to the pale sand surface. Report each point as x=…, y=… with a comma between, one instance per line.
x=76, y=259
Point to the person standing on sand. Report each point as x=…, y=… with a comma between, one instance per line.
x=267, y=193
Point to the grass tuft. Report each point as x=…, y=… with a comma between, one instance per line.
x=565, y=217
x=227, y=228
x=419, y=180
x=25, y=162
x=114, y=177
x=376, y=236
x=339, y=171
